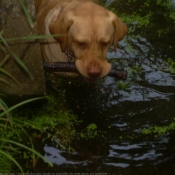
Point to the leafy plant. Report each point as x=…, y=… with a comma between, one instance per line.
x=171, y=65
x=91, y=132
x=158, y=130
x=27, y=126
x=10, y=136
x=122, y=85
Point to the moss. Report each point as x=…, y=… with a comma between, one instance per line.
x=158, y=130
x=34, y=125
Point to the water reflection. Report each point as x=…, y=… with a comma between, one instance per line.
x=160, y=78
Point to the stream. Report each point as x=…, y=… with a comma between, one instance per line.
x=123, y=109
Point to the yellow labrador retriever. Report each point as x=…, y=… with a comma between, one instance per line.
x=86, y=32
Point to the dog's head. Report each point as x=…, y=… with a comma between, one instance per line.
x=89, y=31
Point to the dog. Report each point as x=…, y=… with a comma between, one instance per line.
x=82, y=31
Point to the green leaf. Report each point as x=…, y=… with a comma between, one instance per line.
x=26, y=123
x=2, y=80
x=7, y=57
x=9, y=75
x=12, y=159
x=15, y=56
x=2, y=48
x=26, y=13
x=3, y=40
x=32, y=37
x=17, y=59
x=3, y=104
x=29, y=149
x=20, y=104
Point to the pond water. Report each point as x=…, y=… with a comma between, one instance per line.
x=123, y=109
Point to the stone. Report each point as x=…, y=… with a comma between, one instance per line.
x=14, y=23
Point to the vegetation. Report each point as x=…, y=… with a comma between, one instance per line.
x=11, y=130
x=35, y=125
x=22, y=130
x=159, y=130
x=144, y=13
x=25, y=130
x=154, y=20
x=12, y=133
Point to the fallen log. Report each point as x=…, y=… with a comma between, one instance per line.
x=70, y=67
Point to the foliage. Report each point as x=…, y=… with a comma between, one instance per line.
x=16, y=58
x=154, y=20
x=171, y=65
x=122, y=85
x=143, y=12
x=11, y=138
x=159, y=130
x=12, y=130
x=90, y=133
x=26, y=13
x=50, y=122
x=53, y=122
x=35, y=125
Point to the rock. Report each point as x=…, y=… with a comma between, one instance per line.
x=14, y=23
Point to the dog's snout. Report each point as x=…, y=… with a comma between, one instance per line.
x=94, y=70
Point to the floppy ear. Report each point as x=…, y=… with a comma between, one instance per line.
x=61, y=25
x=120, y=29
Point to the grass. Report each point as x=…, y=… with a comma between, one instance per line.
x=26, y=13
x=11, y=138
x=12, y=131
x=23, y=130
x=16, y=58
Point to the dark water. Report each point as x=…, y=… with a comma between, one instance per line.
x=148, y=99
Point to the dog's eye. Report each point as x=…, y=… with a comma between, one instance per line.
x=81, y=45
x=104, y=45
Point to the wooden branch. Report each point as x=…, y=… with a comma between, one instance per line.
x=70, y=67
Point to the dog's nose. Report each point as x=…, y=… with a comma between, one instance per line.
x=94, y=74
x=94, y=71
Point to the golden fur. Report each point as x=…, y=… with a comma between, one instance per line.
x=86, y=28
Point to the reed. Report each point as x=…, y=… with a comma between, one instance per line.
x=10, y=148
x=10, y=126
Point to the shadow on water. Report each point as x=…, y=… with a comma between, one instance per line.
x=123, y=109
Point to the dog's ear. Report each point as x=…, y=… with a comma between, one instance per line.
x=120, y=29
x=60, y=25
